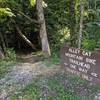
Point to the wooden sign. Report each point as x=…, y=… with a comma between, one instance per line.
x=82, y=63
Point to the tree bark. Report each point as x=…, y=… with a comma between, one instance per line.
x=1, y=54
x=72, y=23
x=3, y=43
x=81, y=24
x=43, y=32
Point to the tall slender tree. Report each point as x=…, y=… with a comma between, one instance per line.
x=72, y=22
x=43, y=32
x=81, y=23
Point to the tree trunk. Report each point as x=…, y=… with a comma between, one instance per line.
x=81, y=24
x=1, y=54
x=72, y=23
x=43, y=32
x=3, y=43
x=25, y=38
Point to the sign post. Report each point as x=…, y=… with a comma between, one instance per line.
x=83, y=63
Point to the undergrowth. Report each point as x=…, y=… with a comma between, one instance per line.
x=7, y=63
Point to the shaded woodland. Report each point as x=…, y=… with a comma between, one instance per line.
x=32, y=33
x=33, y=25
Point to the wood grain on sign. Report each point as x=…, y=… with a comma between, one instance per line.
x=83, y=63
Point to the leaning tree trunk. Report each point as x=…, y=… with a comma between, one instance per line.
x=81, y=24
x=25, y=38
x=43, y=32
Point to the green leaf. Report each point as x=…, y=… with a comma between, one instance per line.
x=6, y=12
x=32, y=2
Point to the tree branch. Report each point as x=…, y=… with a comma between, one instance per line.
x=26, y=16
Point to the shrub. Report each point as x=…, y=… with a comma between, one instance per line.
x=10, y=53
x=89, y=44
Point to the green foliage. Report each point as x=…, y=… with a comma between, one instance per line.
x=32, y=91
x=62, y=94
x=19, y=12
x=89, y=44
x=60, y=86
x=28, y=93
x=6, y=12
x=55, y=59
x=32, y=2
x=92, y=27
x=11, y=55
x=56, y=14
x=5, y=66
x=59, y=22
x=7, y=63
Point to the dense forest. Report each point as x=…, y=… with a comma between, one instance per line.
x=33, y=24
x=36, y=62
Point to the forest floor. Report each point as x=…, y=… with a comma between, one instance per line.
x=43, y=80
x=22, y=74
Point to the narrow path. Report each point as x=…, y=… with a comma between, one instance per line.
x=21, y=75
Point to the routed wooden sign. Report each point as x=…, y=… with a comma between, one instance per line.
x=82, y=63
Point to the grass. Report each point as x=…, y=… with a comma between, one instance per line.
x=60, y=86
x=7, y=63
x=30, y=92
x=60, y=92
x=53, y=60
x=35, y=92
x=5, y=66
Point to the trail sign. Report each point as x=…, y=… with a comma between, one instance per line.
x=83, y=63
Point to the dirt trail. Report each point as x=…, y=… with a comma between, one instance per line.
x=21, y=75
